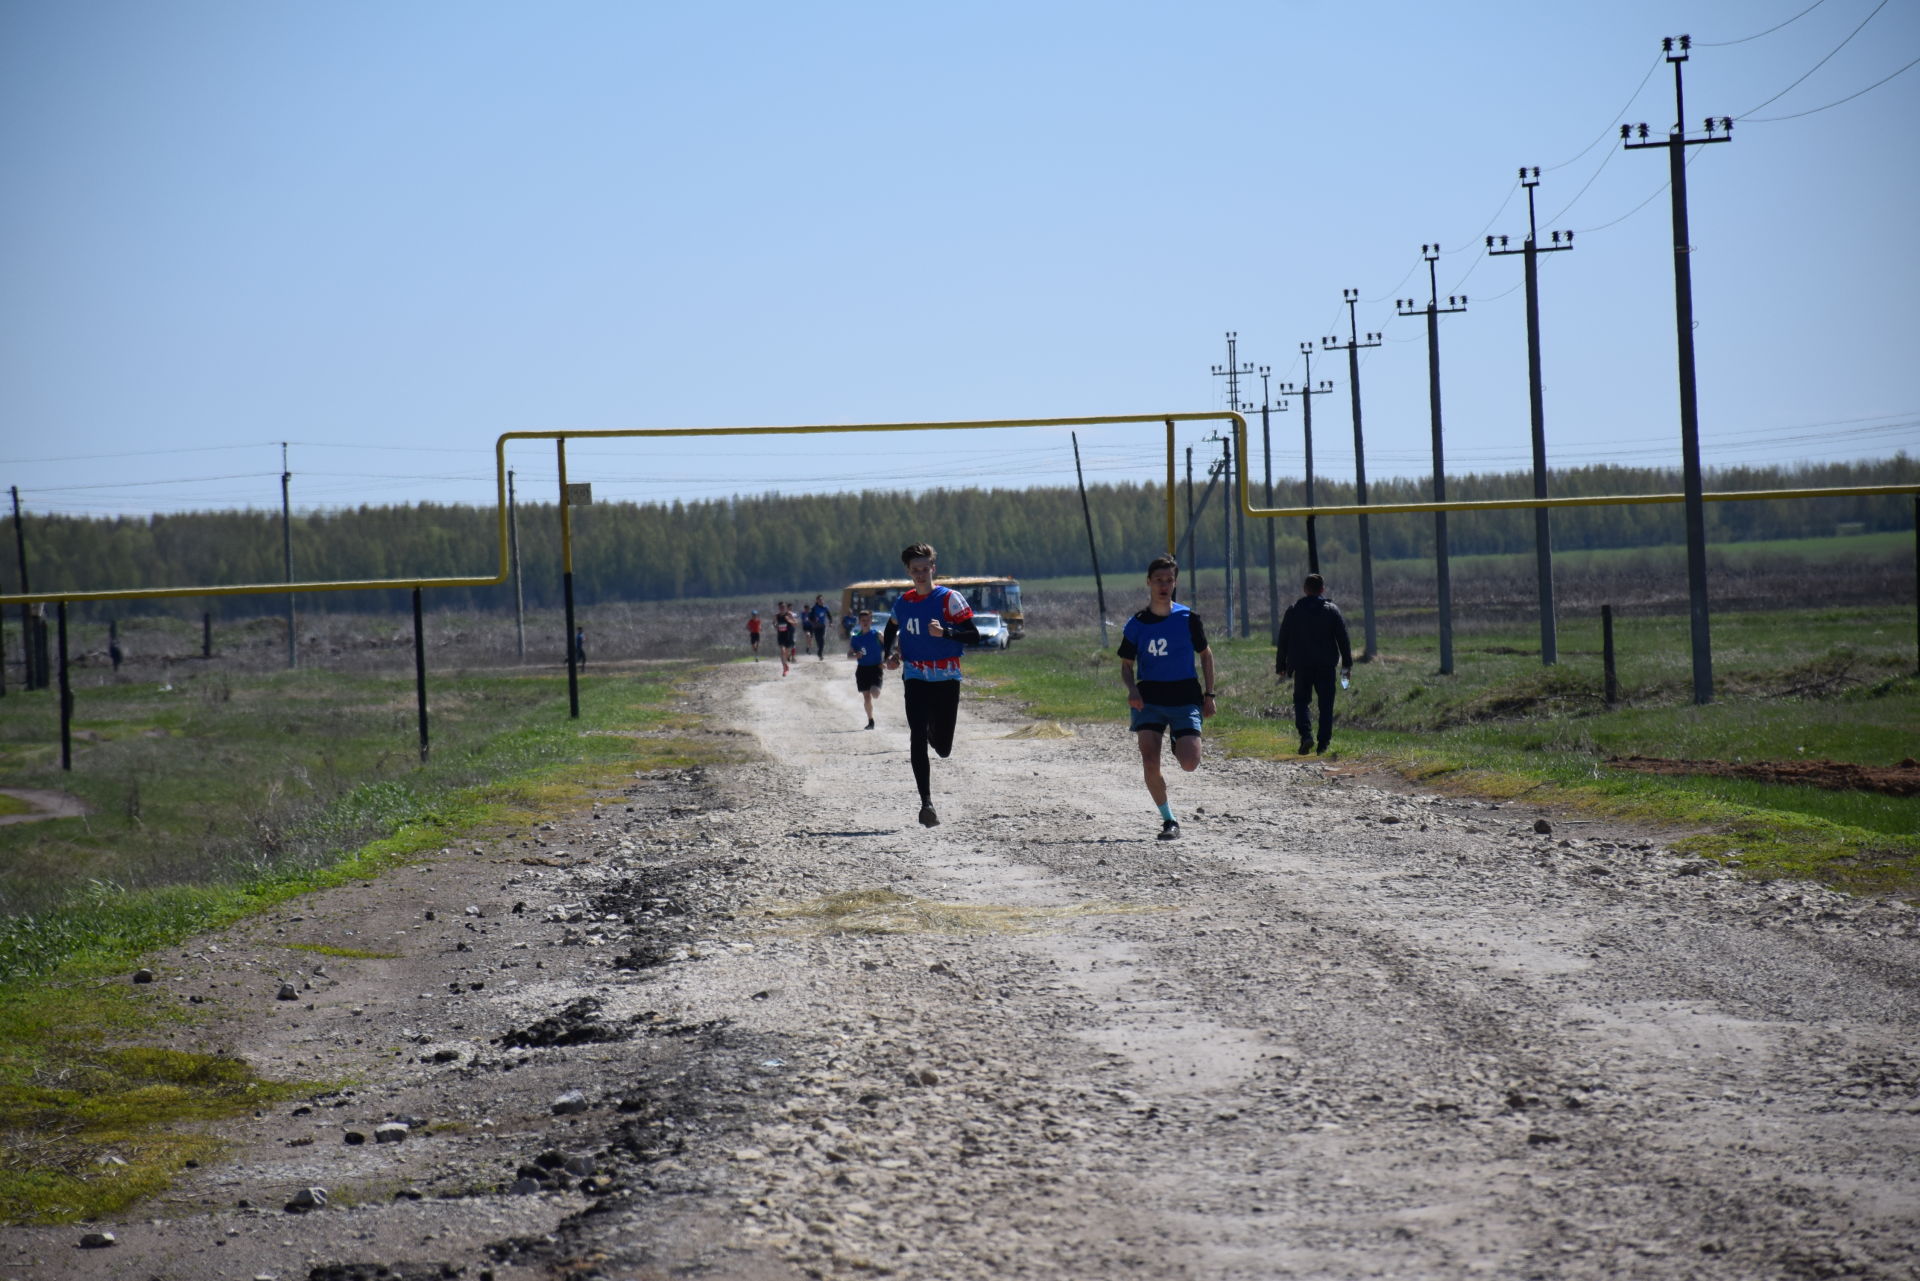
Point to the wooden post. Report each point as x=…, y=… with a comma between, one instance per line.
x=1606, y=655
x=420, y=672
x=66, y=694
x=206, y=634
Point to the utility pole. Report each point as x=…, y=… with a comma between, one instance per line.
x=1307, y=390
x=1266, y=454
x=1099, y=588
x=1542, y=517
x=1353, y=345
x=1443, y=576
x=1231, y=371
x=1676, y=143
x=286, y=547
x=29, y=675
x=519, y=587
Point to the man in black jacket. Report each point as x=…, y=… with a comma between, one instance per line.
x=1313, y=639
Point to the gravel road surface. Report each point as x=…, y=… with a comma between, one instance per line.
x=1337, y=1030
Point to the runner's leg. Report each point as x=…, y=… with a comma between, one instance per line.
x=1149, y=740
x=944, y=713
x=918, y=713
x=1186, y=750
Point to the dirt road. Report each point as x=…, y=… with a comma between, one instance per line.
x=1335, y=1031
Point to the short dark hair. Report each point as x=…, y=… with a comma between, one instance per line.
x=1159, y=563
x=1315, y=584
x=919, y=551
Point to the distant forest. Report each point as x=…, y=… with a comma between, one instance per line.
x=773, y=544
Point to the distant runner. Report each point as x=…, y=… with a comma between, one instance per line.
x=866, y=646
x=783, y=625
x=1162, y=640
x=818, y=616
x=932, y=625
x=753, y=632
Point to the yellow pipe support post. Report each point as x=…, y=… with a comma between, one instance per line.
x=1171, y=536
x=566, y=582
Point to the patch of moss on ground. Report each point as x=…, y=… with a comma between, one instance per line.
x=344, y=953
x=92, y=1119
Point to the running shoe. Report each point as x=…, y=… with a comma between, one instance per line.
x=869, y=722
x=1169, y=830
x=927, y=817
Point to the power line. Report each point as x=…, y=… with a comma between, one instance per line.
x=1814, y=111
x=1722, y=44
x=1604, y=134
x=137, y=453
x=1823, y=62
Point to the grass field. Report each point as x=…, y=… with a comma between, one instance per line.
x=1836, y=684
x=215, y=791
x=215, y=796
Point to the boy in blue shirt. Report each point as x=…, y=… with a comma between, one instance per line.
x=864, y=645
x=1162, y=641
x=933, y=625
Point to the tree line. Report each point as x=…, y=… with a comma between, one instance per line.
x=776, y=544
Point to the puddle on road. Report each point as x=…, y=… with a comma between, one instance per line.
x=882, y=911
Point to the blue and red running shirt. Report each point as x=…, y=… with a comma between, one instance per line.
x=924, y=656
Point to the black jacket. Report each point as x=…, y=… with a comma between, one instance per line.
x=1312, y=634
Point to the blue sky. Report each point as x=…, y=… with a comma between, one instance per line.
x=387, y=232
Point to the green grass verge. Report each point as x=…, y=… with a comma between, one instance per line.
x=297, y=782
x=1835, y=684
x=90, y=1123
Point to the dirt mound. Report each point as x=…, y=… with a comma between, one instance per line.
x=1893, y=780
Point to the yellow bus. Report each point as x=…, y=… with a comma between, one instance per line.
x=996, y=596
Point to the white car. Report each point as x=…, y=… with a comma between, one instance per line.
x=993, y=631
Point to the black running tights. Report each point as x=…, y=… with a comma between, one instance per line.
x=932, y=709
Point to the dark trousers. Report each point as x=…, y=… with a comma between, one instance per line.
x=932, y=709
x=1316, y=684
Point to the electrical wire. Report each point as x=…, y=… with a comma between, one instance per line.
x=1691, y=157
x=1816, y=66
x=1722, y=44
x=1618, y=116
x=1479, y=241
x=136, y=453
x=1813, y=111
x=1591, y=179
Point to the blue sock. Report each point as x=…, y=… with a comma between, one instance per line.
x=1166, y=811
